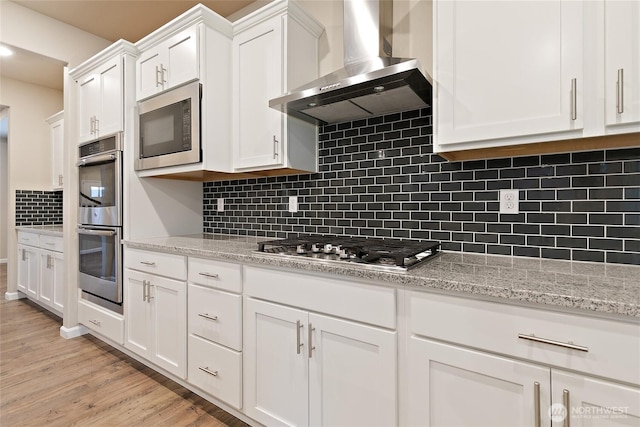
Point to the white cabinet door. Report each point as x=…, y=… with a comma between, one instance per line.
x=258, y=73
x=57, y=278
x=453, y=386
x=47, y=271
x=352, y=374
x=28, y=270
x=110, y=117
x=88, y=106
x=172, y=62
x=275, y=364
x=593, y=402
x=57, y=148
x=100, y=101
x=138, y=330
x=622, y=62
x=168, y=300
x=506, y=69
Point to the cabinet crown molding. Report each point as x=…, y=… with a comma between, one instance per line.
x=120, y=47
x=275, y=8
x=195, y=15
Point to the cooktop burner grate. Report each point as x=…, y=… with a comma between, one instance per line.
x=372, y=252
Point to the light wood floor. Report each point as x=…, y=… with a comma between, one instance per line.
x=46, y=380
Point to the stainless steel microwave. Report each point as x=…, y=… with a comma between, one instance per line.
x=169, y=128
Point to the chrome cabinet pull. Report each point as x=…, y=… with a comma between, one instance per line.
x=298, y=343
x=536, y=403
x=569, y=345
x=574, y=100
x=49, y=262
x=208, y=316
x=97, y=127
x=60, y=179
x=566, y=402
x=164, y=70
x=91, y=125
x=211, y=275
x=144, y=290
x=620, y=92
x=208, y=371
x=95, y=322
x=24, y=256
x=157, y=76
x=149, y=263
x=275, y=147
x=311, y=347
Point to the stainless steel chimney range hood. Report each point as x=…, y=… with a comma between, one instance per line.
x=371, y=83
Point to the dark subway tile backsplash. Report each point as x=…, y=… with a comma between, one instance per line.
x=379, y=177
x=38, y=207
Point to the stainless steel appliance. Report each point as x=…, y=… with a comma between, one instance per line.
x=372, y=82
x=100, y=222
x=169, y=128
x=376, y=253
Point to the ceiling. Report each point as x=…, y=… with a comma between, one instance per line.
x=110, y=19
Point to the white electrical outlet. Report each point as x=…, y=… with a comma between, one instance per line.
x=220, y=207
x=509, y=202
x=293, y=203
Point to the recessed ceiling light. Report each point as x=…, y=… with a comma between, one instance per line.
x=5, y=51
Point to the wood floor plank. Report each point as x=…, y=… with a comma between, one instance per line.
x=48, y=380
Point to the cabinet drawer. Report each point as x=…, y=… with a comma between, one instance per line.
x=215, y=274
x=101, y=321
x=344, y=297
x=216, y=316
x=612, y=347
x=159, y=263
x=216, y=370
x=26, y=238
x=52, y=243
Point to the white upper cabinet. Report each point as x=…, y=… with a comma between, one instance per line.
x=100, y=92
x=168, y=64
x=274, y=51
x=622, y=63
x=56, y=132
x=507, y=69
x=516, y=73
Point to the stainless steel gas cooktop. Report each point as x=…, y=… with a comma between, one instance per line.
x=382, y=254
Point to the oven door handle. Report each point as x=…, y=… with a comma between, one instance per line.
x=103, y=158
x=96, y=232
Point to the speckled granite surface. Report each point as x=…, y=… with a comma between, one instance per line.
x=53, y=230
x=608, y=289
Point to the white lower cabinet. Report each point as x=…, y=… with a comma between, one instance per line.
x=155, y=312
x=41, y=269
x=593, y=401
x=477, y=363
x=304, y=368
x=105, y=322
x=454, y=386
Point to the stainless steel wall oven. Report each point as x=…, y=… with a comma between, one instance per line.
x=100, y=221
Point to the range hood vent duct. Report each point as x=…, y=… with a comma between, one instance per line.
x=372, y=81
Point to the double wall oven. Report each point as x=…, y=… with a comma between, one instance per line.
x=100, y=221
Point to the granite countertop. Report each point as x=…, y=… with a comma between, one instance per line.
x=598, y=288
x=53, y=230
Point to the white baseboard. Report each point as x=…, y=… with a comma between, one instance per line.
x=14, y=295
x=74, y=332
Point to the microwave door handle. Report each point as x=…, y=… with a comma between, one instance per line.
x=93, y=232
x=104, y=158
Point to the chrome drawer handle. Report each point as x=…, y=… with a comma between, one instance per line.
x=208, y=371
x=95, y=322
x=211, y=275
x=207, y=316
x=569, y=345
x=149, y=263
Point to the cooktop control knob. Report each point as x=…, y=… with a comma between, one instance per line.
x=328, y=248
x=301, y=249
x=344, y=254
x=315, y=248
